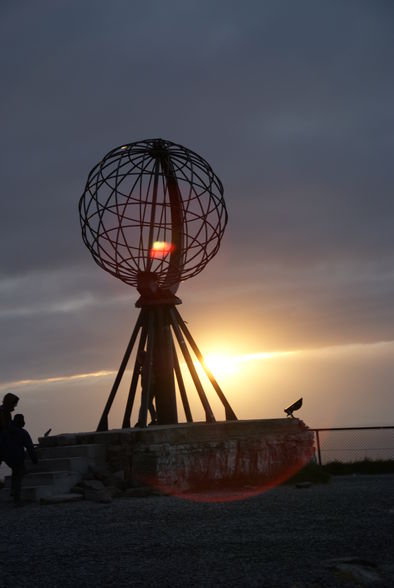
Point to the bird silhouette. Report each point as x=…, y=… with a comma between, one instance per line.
x=293, y=407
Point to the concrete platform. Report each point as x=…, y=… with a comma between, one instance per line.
x=188, y=456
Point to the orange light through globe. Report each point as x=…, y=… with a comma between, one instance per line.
x=160, y=249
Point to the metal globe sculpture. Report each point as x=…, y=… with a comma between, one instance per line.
x=153, y=209
x=152, y=215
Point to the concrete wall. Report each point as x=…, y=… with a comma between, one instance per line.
x=184, y=457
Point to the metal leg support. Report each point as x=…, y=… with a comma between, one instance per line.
x=103, y=424
x=230, y=414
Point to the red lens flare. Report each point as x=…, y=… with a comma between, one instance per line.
x=227, y=493
x=160, y=249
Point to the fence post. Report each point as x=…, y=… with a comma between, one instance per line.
x=318, y=447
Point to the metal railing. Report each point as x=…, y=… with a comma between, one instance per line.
x=347, y=444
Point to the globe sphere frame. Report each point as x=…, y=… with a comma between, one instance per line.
x=153, y=192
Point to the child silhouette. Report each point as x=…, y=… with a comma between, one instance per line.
x=15, y=441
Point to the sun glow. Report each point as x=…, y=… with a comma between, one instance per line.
x=226, y=365
x=221, y=365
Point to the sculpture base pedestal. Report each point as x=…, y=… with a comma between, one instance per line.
x=193, y=457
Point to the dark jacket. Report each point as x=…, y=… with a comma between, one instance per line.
x=5, y=420
x=14, y=442
x=5, y=417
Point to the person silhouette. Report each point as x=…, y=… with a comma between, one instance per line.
x=15, y=441
x=8, y=406
x=9, y=403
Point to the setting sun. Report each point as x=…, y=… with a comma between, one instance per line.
x=225, y=365
x=221, y=365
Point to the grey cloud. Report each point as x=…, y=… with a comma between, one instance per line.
x=56, y=322
x=291, y=103
x=292, y=307
x=84, y=340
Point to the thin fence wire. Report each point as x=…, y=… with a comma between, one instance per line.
x=350, y=444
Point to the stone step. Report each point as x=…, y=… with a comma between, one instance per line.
x=60, y=498
x=28, y=493
x=35, y=493
x=59, y=480
x=58, y=469
x=91, y=451
x=73, y=464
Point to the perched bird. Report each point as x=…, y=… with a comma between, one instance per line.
x=296, y=406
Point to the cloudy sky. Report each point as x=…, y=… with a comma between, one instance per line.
x=292, y=105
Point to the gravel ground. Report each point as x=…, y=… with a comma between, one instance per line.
x=285, y=537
